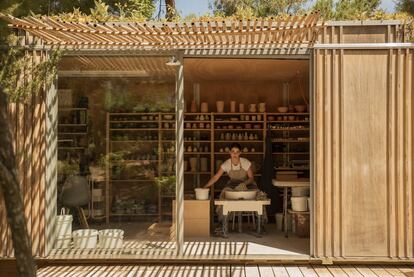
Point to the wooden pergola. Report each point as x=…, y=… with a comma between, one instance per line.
x=293, y=31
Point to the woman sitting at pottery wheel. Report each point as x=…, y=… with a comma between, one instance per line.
x=240, y=173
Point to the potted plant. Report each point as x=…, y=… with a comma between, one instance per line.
x=166, y=184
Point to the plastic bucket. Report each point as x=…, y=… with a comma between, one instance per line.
x=63, y=242
x=202, y=193
x=299, y=204
x=279, y=221
x=64, y=225
x=85, y=238
x=111, y=238
x=300, y=191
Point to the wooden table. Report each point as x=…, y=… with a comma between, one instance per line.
x=242, y=206
x=286, y=185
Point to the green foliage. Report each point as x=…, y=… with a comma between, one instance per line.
x=349, y=9
x=257, y=8
x=325, y=7
x=20, y=77
x=166, y=184
x=406, y=6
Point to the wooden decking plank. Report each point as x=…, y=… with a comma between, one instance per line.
x=365, y=271
x=238, y=271
x=267, y=271
x=293, y=271
x=252, y=271
x=393, y=271
x=405, y=269
x=322, y=271
x=280, y=271
x=337, y=271
x=378, y=270
x=308, y=271
x=351, y=271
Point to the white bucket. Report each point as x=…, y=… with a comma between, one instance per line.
x=85, y=238
x=63, y=224
x=279, y=221
x=300, y=191
x=299, y=204
x=111, y=238
x=202, y=193
x=63, y=242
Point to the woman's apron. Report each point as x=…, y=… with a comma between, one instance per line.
x=237, y=176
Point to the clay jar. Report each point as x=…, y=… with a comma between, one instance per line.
x=193, y=107
x=193, y=164
x=220, y=106
x=252, y=108
x=241, y=108
x=204, y=107
x=203, y=164
x=232, y=106
x=262, y=107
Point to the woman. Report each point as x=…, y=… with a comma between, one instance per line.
x=240, y=173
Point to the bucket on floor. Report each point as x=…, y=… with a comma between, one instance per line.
x=302, y=225
x=300, y=191
x=63, y=242
x=111, y=238
x=202, y=193
x=85, y=238
x=279, y=221
x=299, y=204
x=63, y=224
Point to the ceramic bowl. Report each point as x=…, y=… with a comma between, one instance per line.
x=300, y=108
x=168, y=116
x=246, y=195
x=291, y=118
x=282, y=109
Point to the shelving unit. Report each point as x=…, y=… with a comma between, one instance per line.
x=206, y=135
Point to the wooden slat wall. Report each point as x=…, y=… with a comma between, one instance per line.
x=363, y=151
x=28, y=126
x=380, y=33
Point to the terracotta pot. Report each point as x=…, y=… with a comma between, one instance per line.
x=241, y=108
x=252, y=108
x=203, y=164
x=220, y=106
x=193, y=108
x=193, y=164
x=204, y=107
x=232, y=106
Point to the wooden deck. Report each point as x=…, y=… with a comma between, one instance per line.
x=242, y=271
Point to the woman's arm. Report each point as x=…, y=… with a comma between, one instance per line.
x=214, y=178
x=250, y=176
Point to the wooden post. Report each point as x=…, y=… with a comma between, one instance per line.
x=179, y=154
x=51, y=165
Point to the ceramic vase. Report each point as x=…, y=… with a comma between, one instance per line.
x=193, y=108
x=232, y=106
x=204, y=107
x=220, y=106
x=193, y=164
x=262, y=107
x=241, y=108
x=203, y=164
x=252, y=108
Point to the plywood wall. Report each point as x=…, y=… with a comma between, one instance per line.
x=363, y=150
x=28, y=128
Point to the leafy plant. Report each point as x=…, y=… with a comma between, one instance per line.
x=166, y=184
x=67, y=168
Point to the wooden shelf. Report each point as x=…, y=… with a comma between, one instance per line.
x=193, y=173
x=287, y=140
x=74, y=134
x=134, y=121
x=288, y=121
x=116, y=214
x=71, y=109
x=288, y=114
x=297, y=212
x=239, y=121
x=292, y=168
x=237, y=130
x=290, y=153
x=197, y=153
x=242, y=153
x=69, y=148
x=243, y=141
x=290, y=129
x=132, y=180
x=198, y=141
x=72, y=124
x=133, y=129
